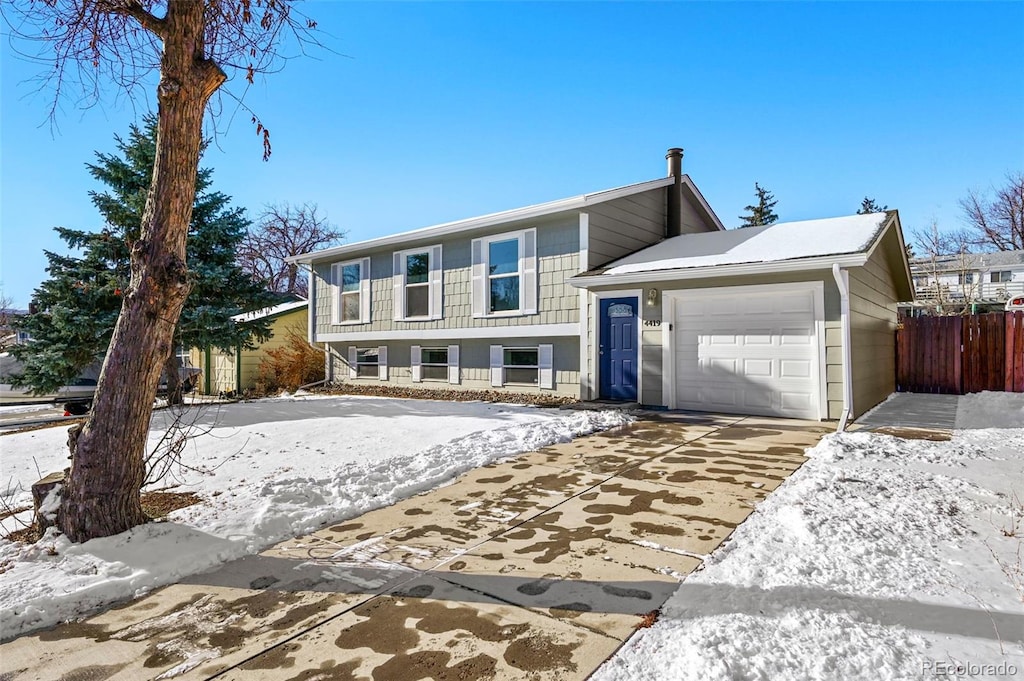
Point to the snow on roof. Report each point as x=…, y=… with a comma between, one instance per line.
x=781, y=241
x=947, y=263
x=269, y=311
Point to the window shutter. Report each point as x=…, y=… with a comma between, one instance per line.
x=352, y=369
x=545, y=364
x=364, y=290
x=453, y=364
x=399, y=287
x=382, y=359
x=336, y=293
x=436, y=284
x=528, y=270
x=479, y=280
x=414, y=362
x=497, y=368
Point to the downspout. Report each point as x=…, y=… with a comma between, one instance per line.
x=844, y=301
x=311, y=329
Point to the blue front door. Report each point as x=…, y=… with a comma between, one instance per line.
x=617, y=349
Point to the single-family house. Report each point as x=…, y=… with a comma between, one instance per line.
x=236, y=372
x=590, y=297
x=977, y=282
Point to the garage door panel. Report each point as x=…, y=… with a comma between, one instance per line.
x=761, y=359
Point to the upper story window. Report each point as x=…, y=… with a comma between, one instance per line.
x=418, y=284
x=1000, y=277
x=505, y=274
x=351, y=285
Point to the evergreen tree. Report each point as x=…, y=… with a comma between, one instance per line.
x=78, y=305
x=762, y=213
x=868, y=206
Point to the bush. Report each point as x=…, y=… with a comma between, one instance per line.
x=294, y=364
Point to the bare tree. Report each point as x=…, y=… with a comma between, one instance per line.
x=944, y=253
x=283, y=230
x=997, y=223
x=188, y=43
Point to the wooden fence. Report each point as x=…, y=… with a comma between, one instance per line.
x=959, y=355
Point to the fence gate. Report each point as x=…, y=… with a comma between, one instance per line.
x=959, y=355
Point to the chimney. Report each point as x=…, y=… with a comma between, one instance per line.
x=674, y=226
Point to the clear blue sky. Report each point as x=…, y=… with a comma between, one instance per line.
x=438, y=111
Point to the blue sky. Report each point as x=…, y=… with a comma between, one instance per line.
x=429, y=112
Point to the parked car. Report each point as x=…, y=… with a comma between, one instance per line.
x=1015, y=303
x=77, y=395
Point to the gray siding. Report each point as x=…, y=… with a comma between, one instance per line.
x=873, y=321
x=651, y=338
x=626, y=225
x=558, y=303
x=474, y=364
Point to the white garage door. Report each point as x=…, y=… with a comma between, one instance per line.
x=748, y=350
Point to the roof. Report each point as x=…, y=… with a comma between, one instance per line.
x=270, y=311
x=970, y=261
x=516, y=214
x=783, y=241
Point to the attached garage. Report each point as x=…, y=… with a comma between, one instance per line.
x=792, y=319
x=749, y=349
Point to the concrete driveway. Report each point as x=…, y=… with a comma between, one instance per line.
x=537, y=568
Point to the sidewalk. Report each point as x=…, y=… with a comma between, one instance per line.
x=537, y=568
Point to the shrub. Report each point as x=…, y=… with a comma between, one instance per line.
x=294, y=364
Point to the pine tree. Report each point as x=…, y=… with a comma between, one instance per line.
x=868, y=206
x=762, y=213
x=78, y=305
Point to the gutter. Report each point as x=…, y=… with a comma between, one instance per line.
x=843, y=282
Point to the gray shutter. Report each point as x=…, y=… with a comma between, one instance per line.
x=336, y=293
x=382, y=362
x=399, y=287
x=545, y=365
x=453, y=364
x=414, y=362
x=436, y=284
x=364, y=290
x=528, y=269
x=497, y=366
x=479, y=280
x=352, y=369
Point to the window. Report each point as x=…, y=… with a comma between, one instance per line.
x=417, y=284
x=966, y=278
x=1000, y=277
x=523, y=366
x=368, y=362
x=505, y=274
x=351, y=282
x=435, y=364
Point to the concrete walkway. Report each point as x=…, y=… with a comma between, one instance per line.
x=538, y=568
x=913, y=410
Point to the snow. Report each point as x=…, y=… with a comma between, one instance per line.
x=266, y=471
x=781, y=241
x=270, y=311
x=880, y=558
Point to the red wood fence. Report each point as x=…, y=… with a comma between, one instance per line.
x=959, y=355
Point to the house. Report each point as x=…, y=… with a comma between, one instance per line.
x=967, y=282
x=580, y=297
x=236, y=372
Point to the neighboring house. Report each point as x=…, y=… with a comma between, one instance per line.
x=236, y=372
x=969, y=282
x=9, y=334
x=536, y=299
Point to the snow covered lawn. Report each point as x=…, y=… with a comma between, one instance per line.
x=267, y=471
x=881, y=558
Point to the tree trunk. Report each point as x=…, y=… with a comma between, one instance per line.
x=107, y=469
x=174, y=385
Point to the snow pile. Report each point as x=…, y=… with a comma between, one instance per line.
x=880, y=558
x=991, y=410
x=295, y=468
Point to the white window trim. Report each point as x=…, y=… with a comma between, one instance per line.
x=527, y=269
x=381, y=364
x=364, y=292
x=544, y=366
x=434, y=283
